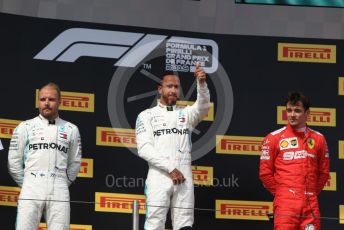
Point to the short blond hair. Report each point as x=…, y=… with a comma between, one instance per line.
x=54, y=86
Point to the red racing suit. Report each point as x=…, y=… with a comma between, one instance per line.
x=294, y=167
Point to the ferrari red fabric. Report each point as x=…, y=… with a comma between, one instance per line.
x=294, y=167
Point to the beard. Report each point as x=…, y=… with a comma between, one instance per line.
x=47, y=113
x=169, y=100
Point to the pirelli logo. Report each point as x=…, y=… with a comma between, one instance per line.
x=7, y=127
x=243, y=210
x=341, y=86
x=116, y=137
x=317, y=116
x=341, y=214
x=242, y=145
x=331, y=184
x=43, y=226
x=9, y=195
x=117, y=202
x=86, y=168
x=75, y=101
x=210, y=115
x=203, y=175
x=341, y=149
x=306, y=53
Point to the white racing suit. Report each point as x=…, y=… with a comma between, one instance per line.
x=164, y=140
x=44, y=159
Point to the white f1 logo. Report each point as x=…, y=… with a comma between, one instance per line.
x=77, y=42
x=130, y=48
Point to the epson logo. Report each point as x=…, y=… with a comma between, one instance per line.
x=130, y=48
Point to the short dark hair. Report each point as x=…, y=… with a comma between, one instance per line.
x=294, y=97
x=54, y=86
x=167, y=73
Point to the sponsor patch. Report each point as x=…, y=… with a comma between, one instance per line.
x=310, y=143
x=265, y=155
x=289, y=143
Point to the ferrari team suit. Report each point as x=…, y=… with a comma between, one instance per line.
x=43, y=159
x=294, y=166
x=163, y=136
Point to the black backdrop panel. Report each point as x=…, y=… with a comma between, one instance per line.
x=246, y=89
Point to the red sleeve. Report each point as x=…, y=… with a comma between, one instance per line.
x=267, y=163
x=323, y=165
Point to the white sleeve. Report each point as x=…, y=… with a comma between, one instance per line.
x=145, y=144
x=202, y=105
x=16, y=153
x=74, y=156
x=1, y=147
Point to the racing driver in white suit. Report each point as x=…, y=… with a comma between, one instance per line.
x=44, y=159
x=163, y=136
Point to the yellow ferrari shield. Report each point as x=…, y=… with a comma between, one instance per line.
x=310, y=143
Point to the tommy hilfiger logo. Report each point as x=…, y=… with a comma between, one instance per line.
x=63, y=135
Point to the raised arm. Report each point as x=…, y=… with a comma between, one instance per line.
x=202, y=105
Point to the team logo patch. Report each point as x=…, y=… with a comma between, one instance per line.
x=289, y=143
x=63, y=135
x=284, y=144
x=310, y=143
x=182, y=118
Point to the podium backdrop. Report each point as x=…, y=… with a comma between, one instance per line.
x=108, y=74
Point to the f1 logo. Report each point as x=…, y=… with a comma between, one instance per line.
x=130, y=48
x=77, y=42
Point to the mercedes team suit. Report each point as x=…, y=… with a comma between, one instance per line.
x=163, y=136
x=294, y=166
x=43, y=159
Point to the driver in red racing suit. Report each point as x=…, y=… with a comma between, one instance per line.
x=294, y=167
